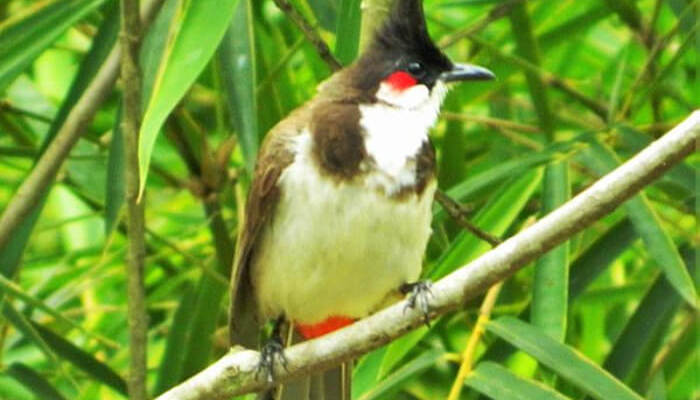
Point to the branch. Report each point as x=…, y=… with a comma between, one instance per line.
x=235, y=373
x=79, y=118
x=459, y=214
x=321, y=47
x=130, y=39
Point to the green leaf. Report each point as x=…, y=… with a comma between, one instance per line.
x=11, y=254
x=550, y=291
x=172, y=363
x=646, y=223
x=494, y=218
x=469, y=187
x=565, y=361
x=650, y=320
x=81, y=359
x=201, y=26
x=366, y=371
x=599, y=255
x=24, y=38
x=393, y=382
x=34, y=382
x=528, y=48
x=347, y=32
x=23, y=325
x=238, y=73
x=498, y=383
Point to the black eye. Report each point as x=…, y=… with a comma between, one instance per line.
x=415, y=68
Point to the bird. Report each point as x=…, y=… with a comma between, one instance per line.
x=338, y=212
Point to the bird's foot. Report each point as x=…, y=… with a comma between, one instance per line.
x=272, y=351
x=419, y=297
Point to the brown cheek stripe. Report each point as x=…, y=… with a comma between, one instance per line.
x=328, y=325
x=400, y=80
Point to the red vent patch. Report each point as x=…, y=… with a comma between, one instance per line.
x=328, y=325
x=401, y=80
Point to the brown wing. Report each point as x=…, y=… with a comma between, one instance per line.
x=275, y=155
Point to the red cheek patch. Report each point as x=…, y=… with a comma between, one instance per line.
x=328, y=325
x=400, y=80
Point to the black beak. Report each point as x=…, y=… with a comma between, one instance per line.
x=467, y=72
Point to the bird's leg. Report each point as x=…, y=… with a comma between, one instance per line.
x=419, y=295
x=272, y=350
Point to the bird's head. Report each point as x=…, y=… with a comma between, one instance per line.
x=402, y=66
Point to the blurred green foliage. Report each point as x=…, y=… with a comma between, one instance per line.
x=582, y=86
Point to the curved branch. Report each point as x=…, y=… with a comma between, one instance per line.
x=235, y=373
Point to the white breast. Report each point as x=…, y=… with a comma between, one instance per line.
x=337, y=248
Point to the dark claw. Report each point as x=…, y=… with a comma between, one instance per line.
x=271, y=351
x=419, y=296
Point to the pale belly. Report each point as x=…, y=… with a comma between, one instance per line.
x=337, y=249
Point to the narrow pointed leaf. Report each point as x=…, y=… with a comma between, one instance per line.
x=393, y=382
x=24, y=38
x=347, y=32
x=81, y=359
x=647, y=224
x=201, y=25
x=36, y=383
x=172, y=362
x=550, y=291
x=11, y=254
x=498, y=383
x=565, y=361
x=651, y=318
x=238, y=74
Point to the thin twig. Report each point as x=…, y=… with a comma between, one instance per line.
x=497, y=12
x=459, y=214
x=236, y=372
x=308, y=30
x=493, y=122
x=470, y=349
x=550, y=79
x=130, y=40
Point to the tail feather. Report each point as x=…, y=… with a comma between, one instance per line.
x=332, y=384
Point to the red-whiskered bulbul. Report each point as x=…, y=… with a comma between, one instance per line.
x=339, y=210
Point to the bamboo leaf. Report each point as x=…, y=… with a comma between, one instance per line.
x=347, y=32
x=22, y=39
x=11, y=254
x=238, y=74
x=499, y=383
x=81, y=359
x=36, y=383
x=658, y=242
x=393, y=382
x=494, y=218
x=172, y=362
x=201, y=26
x=550, y=291
x=651, y=319
x=22, y=324
x=567, y=362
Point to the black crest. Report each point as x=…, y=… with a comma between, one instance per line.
x=401, y=41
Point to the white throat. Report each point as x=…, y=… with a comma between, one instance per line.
x=396, y=127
